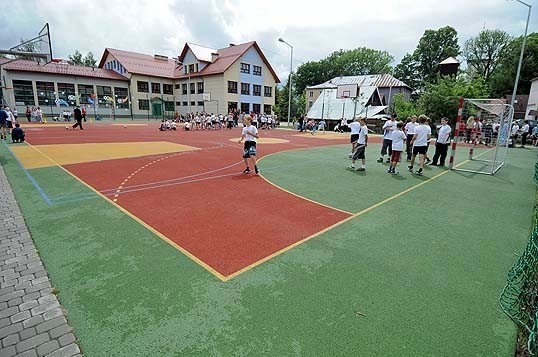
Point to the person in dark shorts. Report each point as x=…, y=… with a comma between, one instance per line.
x=17, y=134
x=3, y=123
x=420, y=143
x=360, y=147
x=78, y=118
x=250, y=136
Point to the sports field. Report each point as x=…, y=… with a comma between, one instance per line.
x=158, y=245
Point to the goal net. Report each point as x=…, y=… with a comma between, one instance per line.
x=481, y=136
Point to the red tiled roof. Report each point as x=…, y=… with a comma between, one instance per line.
x=62, y=69
x=139, y=63
x=227, y=57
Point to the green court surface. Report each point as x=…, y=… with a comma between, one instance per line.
x=417, y=272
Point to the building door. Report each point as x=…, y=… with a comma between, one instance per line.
x=157, y=109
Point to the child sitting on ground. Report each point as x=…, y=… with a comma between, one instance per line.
x=163, y=126
x=17, y=134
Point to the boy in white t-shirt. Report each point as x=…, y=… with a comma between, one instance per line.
x=355, y=128
x=250, y=136
x=420, y=143
x=398, y=139
x=360, y=147
x=388, y=128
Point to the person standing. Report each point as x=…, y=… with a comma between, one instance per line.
x=388, y=128
x=355, y=128
x=15, y=114
x=249, y=134
x=28, y=114
x=524, y=133
x=420, y=144
x=360, y=148
x=3, y=123
x=409, y=130
x=10, y=119
x=442, y=143
x=39, y=115
x=83, y=111
x=78, y=118
x=398, y=138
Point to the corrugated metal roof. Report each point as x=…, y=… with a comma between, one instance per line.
x=139, y=63
x=327, y=106
x=379, y=80
x=450, y=60
x=63, y=69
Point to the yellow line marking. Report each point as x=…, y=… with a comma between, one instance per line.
x=135, y=218
x=360, y=213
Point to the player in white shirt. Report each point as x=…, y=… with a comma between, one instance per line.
x=250, y=136
x=360, y=148
x=513, y=133
x=442, y=143
x=420, y=143
x=524, y=133
x=388, y=127
x=398, y=139
x=355, y=128
x=409, y=130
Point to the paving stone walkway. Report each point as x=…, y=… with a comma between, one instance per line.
x=32, y=322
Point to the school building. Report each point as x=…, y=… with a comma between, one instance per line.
x=135, y=85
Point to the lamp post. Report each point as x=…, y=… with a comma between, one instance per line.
x=290, y=81
x=522, y=51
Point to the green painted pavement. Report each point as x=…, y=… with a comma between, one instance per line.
x=419, y=275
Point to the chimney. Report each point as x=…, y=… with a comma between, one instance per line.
x=214, y=57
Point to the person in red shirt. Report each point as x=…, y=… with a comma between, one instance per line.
x=83, y=114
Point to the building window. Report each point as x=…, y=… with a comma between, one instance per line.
x=122, y=97
x=66, y=91
x=267, y=91
x=267, y=109
x=185, y=104
x=200, y=87
x=257, y=90
x=184, y=88
x=168, y=89
x=201, y=104
x=191, y=68
x=143, y=104
x=193, y=103
x=86, y=94
x=245, y=88
x=24, y=92
x=169, y=106
x=193, y=87
x=245, y=68
x=310, y=104
x=245, y=107
x=102, y=92
x=311, y=94
x=142, y=87
x=232, y=106
x=178, y=104
x=256, y=108
x=156, y=88
x=45, y=93
x=232, y=87
x=257, y=71
x=176, y=86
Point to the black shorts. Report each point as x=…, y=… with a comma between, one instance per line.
x=249, y=149
x=354, y=137
x=9, y=124
x=359, y=152
x=420, y=150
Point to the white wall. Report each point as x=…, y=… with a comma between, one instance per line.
x=533, y=99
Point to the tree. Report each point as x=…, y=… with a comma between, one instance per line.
x=434, y=47
x=484, y=52
x=354, y=62
x=76, y=58
x=441, y=99
x=502, y=81
x=405, y=108
x=89, y=60
x=407, y=71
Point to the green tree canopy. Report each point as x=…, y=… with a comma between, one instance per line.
x=484, y=52
x=407, y=71
x=88, y=60
x=502, y=81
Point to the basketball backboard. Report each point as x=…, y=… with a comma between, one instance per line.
x=207, y=97
x=347, y=91
x=38, y=48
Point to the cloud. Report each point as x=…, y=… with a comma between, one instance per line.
x=314, y=29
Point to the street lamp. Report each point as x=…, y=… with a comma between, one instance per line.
x=291, y=70
x=522, y=51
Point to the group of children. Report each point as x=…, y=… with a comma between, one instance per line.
x=168, y=125
x=395, y=134
x=6, y=126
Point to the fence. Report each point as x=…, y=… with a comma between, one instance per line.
x=519, y=297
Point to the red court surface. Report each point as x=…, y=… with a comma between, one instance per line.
x=199, y=199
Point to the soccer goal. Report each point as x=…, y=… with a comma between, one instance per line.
x=482, y=129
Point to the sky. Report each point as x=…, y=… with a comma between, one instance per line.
x=314, y=28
